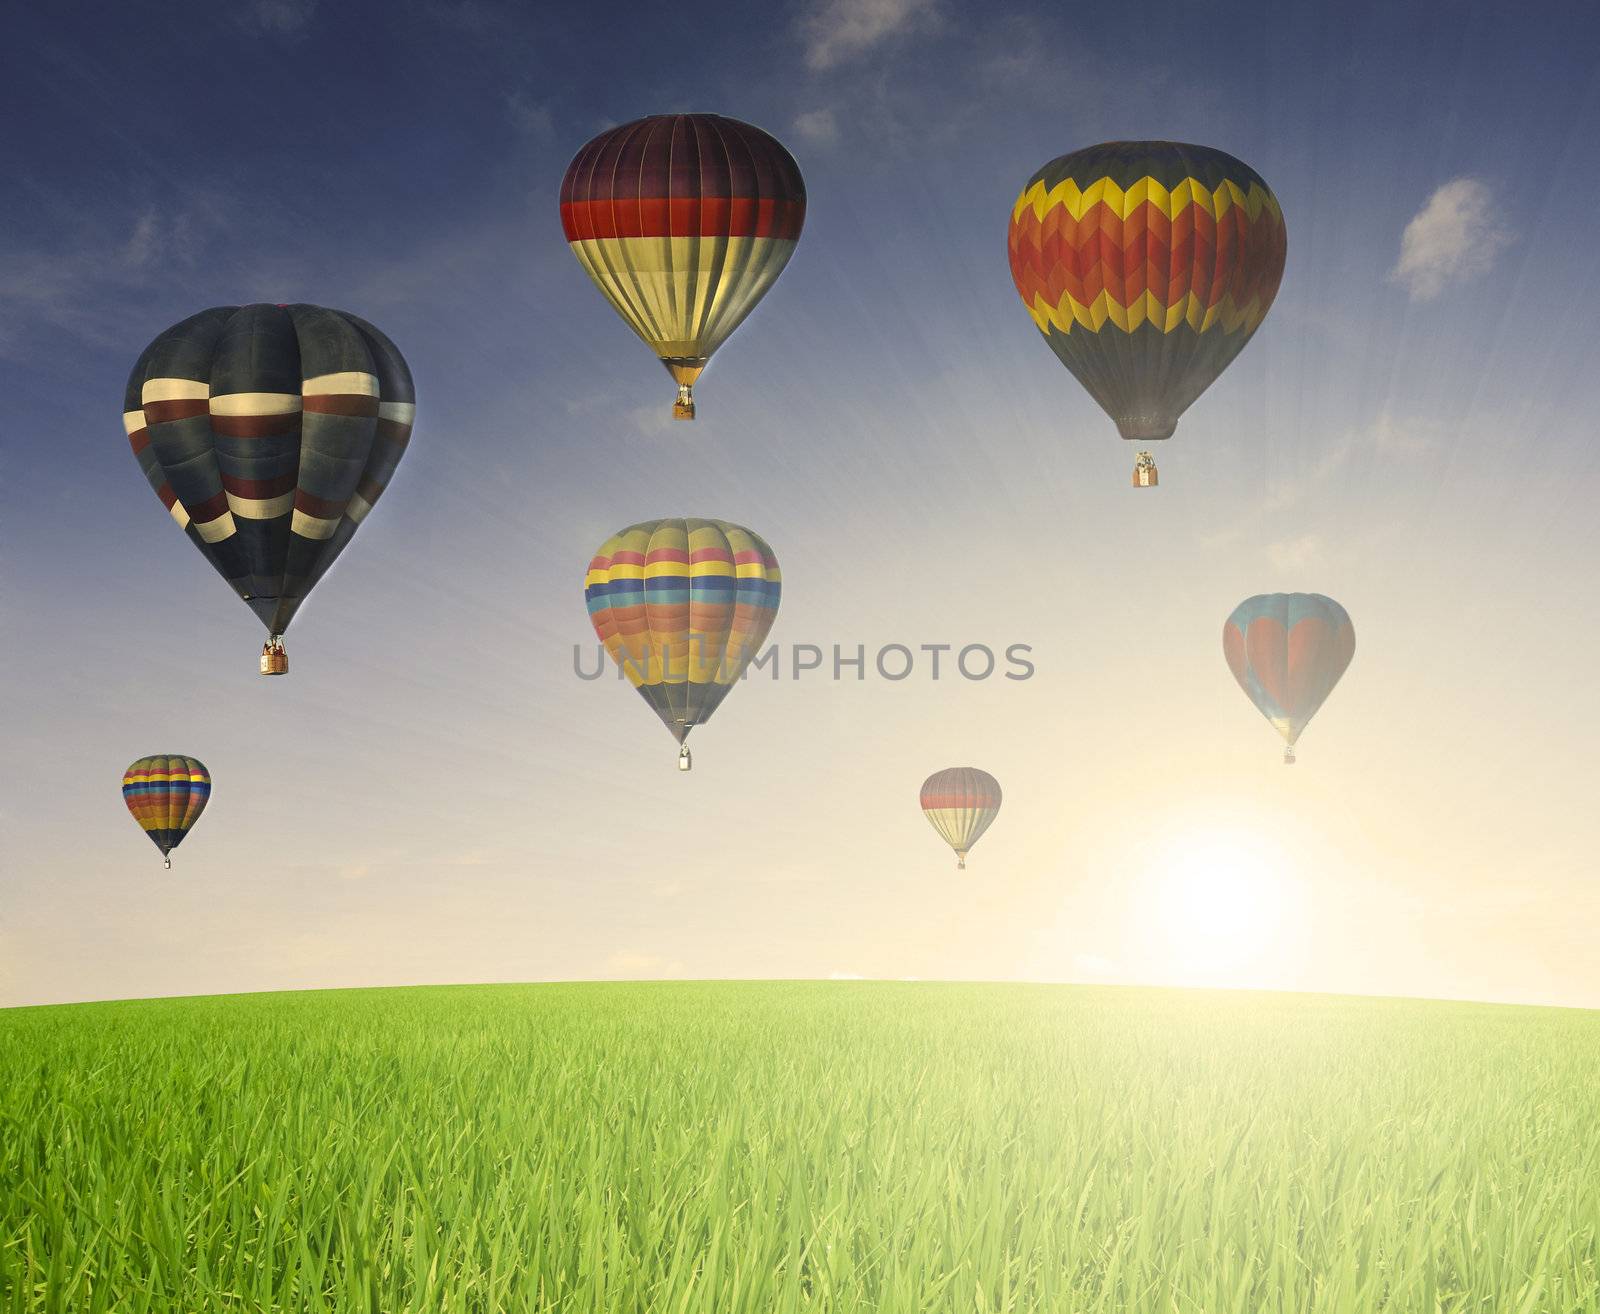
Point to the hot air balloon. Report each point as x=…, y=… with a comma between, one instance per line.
x=166, y=794
x=1287, y=651
x=683, y=221
x=269, y=432
x=1147, y=265
x=960, y=803
x=683, y=606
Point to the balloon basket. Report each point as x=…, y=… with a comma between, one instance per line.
x=683, y=408
x=1288, y=757
x=166, y=863
x=685, y=761
x=1144, y=471
x=961, y=862
x=274, y=660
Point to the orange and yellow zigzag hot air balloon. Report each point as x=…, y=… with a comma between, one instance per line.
x=1147, y=265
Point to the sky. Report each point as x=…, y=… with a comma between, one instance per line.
x=434, y=795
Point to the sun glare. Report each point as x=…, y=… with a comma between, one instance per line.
x=1220, y=903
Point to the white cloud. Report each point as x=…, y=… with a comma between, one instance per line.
x=73, y=287
x=1388, y=438
x=839, y=30
x=472, y=16
x=846, y=976
x=819, y=127
x=285, y=17
x=1413, y=436
x=143, y=243
x=529, y=117
x=1298, y=553
x=653, y=421
x=1453, y=238
x=891, y=107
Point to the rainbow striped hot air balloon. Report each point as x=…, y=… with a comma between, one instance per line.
x=1287, y=651
x=1147, y=265
x=683, y=606
x=960, y=803
x=683, y=221
x=166, y=794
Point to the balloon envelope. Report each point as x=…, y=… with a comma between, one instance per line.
x=960, y=803
x=269, y=432
x=1287, y=651
x=1147, y=265
x=683, y=606
x=683, y=221
x=166, y=795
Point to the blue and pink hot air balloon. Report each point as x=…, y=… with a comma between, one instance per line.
x=1287, y=651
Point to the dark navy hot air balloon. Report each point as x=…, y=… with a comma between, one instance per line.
x=269, y=432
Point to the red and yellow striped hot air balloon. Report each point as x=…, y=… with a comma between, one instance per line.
x=166, y=795
x=960, y=803
x=683, y=221
x=1147, y=265
x=683, y=607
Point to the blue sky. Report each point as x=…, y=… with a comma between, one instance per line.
x=432, y=795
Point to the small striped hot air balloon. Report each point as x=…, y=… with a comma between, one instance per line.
x=683, y=607
x=1287, y=651
x=683, y=221
x=268, y=433
x=166, y=794
x=960, y=803
x=1147, y=265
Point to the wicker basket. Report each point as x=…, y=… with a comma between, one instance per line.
x=274, y=660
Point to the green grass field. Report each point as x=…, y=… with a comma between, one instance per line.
x=732, y=1148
